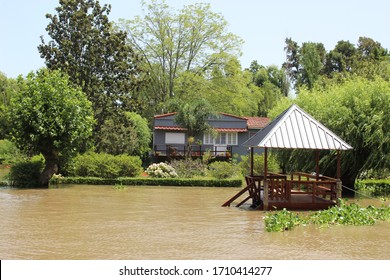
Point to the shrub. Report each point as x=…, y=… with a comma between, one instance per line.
x=222, y=170
x=258, y=164
x=9, y=153
x=377, y=188
x=104, y=165
x=25, y=174
x=188, y=168
x=161, y=170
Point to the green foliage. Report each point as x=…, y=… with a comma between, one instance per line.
x=357, y=111
x=282, y=221
x=184, y=182
x=8, y=87
x=345, y=214
x=258, y=164
x=85, y=46
x=25, y=174
x=193, y=116
x=223, y=170
x=161, y=170
x=126, y=134
x=189, y=168
x=50, y=116
x=192, y=39
x=104, y=165
x=377, y=188
x=310, y=63
x=9, y=153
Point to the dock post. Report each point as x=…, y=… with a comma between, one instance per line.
x=339, y=187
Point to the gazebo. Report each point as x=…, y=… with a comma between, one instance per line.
x=293, y=129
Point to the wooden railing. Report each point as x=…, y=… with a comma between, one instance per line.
x=302, y=184
x=163, y=150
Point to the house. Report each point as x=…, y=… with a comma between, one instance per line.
x=229, y=132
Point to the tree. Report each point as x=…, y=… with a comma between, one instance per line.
x=194, y=118
x=128, y=135
x=8, y=87
x=357, y=111
x=310, y=63
x=192, y=39
x=50, y=116
x=273, y=84
x=96, y=58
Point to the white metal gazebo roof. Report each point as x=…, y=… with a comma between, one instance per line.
x=296, y=129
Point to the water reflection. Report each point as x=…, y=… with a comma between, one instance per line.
x=99, y=222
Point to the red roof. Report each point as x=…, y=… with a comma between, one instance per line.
x=177, y=128
x=219, y=129
x=257, y=122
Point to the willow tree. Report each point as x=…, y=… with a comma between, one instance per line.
x=172, y=42
x=357, y=111
x=50, y=116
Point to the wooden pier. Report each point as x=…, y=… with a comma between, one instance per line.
x=297, y=191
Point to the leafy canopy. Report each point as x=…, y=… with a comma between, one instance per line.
x=357, y=111
x=49, y=113
x=96, y=58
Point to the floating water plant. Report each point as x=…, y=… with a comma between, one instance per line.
x=345, y=214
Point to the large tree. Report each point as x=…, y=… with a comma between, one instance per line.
x=96, y=57
x=172, y=42
x=49, y=115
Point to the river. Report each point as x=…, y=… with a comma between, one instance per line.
x=136, y=223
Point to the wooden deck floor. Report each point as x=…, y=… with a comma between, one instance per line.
x=301, y=202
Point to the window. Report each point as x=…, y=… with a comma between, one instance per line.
x=208, y=139
x=230, y=138
x=174, y=138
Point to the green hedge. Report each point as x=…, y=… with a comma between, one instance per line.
x=148, y=181
x=104, y=165
x=25, y=174
x=379, y=187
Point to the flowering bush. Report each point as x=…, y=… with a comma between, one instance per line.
x=161, y=170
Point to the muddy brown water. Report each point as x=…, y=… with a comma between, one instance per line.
x=100, y=222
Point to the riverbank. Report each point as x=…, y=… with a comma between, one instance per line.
x=147, y=181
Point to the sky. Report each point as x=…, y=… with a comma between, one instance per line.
x=262, y=24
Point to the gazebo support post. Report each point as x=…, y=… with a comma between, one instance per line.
x=339, y=186
x=317, y=165
x=251, y=161
x=265, y=194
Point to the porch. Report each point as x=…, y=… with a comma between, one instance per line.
x=163, y=152
x=296, y=191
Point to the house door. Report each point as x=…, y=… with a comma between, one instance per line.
x=220, y=145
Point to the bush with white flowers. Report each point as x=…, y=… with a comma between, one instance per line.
x=161, y=170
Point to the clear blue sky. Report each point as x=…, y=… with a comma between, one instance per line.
x=263, y=24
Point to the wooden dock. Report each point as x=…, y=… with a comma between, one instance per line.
x=297, y=191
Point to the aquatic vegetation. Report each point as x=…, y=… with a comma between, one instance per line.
x=344, y=214
x=283, y=220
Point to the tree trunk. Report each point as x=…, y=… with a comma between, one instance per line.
x=348, y=180
x=51, y=167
